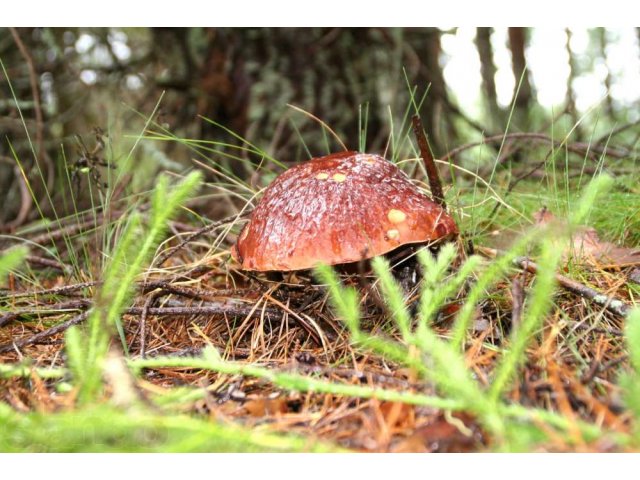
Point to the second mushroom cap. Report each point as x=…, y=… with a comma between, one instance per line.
x=337, y=209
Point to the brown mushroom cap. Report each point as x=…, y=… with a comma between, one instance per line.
x=338, y=209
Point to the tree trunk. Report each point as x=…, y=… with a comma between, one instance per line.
x=488, y=73
x=435, y=106
x=570, y=98
x=522, y=94
x=602, y=44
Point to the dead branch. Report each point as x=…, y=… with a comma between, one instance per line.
x=143, y=321
x=63, y=290
x=45, y=334
x=68, y=290
x=611, y=304
x=198, y=293
x=47, y=263
x=48, y=310
x=578, y=148
x=211, y=308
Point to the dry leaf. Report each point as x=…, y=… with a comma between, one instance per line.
x=259, y=407
x=586, y=247
x=442, y=435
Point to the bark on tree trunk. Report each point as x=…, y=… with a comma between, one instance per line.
x=602, y=44
x=570, y=98
x=435, y=106
x=522, y=94
x=488, y=74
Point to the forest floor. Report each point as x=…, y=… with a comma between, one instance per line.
x=204, y=356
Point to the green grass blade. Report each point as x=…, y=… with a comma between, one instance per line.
x=10, y=260
x=127, y=262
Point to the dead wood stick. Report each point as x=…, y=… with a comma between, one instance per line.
x=429, y=163
x=143, y=320
x=614, y=305
x=40, y=337
x=144, y=287
x=199, y=293
x=45, y=310
x=47, y=263
x=578, y=148
x=213, y=308
x=63, y=290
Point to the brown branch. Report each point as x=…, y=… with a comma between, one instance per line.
x=607, y=136
x=212, y=308
x=198, y=293
x=143, y=287
x=578, y=148
x=47, y=262
x=45, y=334
x=517, y=293
x=64, y=290
x=143, y=321
x=611, y=304
x=55, y=309
x=429, y=163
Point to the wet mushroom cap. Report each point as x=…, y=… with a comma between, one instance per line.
x=336, y=209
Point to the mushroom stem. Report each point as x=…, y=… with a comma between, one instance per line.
x=429, y=163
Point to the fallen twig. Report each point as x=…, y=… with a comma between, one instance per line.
x=47, y=262
x=55, y=309
x=143, y=320
x=63, y=290
x=211, y=308
x=199, y=293
x=578, y=148
x=611, y=304
x=39, y=337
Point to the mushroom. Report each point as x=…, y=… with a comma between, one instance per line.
x=337, y=209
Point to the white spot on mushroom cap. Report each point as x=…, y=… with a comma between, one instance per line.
x=396, y=216
x=339, y=177
x=393, y=234
x=322, y=176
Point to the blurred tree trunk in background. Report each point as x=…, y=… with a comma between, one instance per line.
x=436, y=117
x=522, y=94
x=602, y=53
x=570, y=98
x=488, y=74
x=24, y=69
